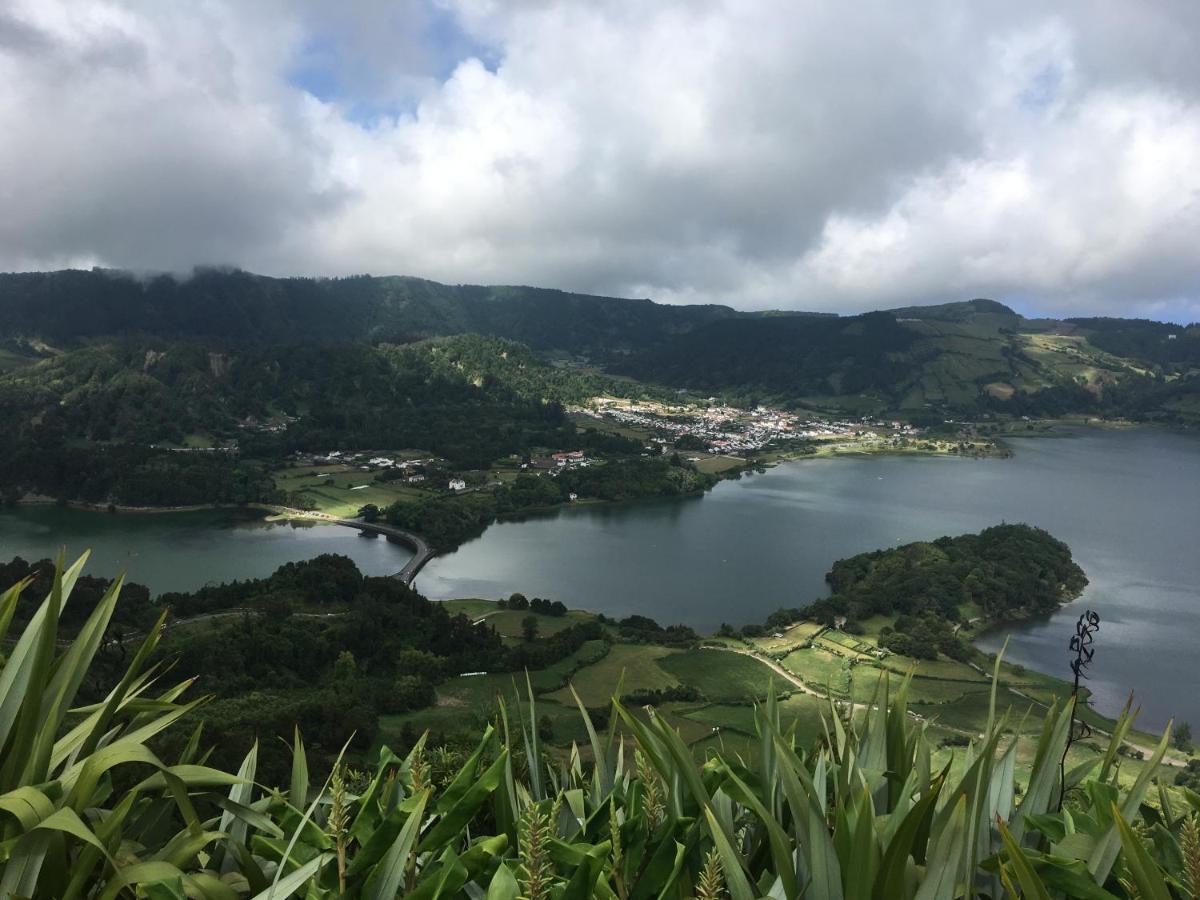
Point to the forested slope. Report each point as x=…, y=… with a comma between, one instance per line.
x=956, y=359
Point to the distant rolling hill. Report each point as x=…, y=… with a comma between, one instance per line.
x=238, y=307
x=956, y=358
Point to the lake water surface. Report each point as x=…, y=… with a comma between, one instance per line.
x=184, y=551
x=1127, y=502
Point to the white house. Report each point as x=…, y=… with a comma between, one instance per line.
x=457, y=484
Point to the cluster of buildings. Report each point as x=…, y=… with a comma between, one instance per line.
x=274, y=425
x=412, y=471
x=557, y=462
x=725, y=429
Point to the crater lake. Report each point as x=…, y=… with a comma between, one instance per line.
x=1126, y=501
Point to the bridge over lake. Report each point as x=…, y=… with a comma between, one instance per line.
x=422, y=552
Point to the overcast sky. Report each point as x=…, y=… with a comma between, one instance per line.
x=812, y=155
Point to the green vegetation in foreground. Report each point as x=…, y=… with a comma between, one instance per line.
x=100, y=801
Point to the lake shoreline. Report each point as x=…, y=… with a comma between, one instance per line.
x=754, y=464
x=119, y=509
x=1123, y=498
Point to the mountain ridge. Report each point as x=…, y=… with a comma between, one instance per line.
x=959, y=358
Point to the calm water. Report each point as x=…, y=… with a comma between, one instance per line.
x=183, y=551
x=1127, y=502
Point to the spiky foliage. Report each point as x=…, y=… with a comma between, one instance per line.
x=710, y=886
x=90, y=811
x=535, y=866
x=1190, y=845
x=339, y=819
x=652, y=802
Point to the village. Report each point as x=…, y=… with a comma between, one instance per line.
x=727, y=429
x=715, y=438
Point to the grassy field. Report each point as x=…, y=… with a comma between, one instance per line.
x=609, y=426
x=341, y=490
x=819, y=669
x=730, y=681
x=722, y=676
x=472, y=608
x=951, y=698
x=508, y=621
x=796, y=635
x=716, y=464
x=638, y=664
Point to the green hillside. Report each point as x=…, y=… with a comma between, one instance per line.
x=71, y=306
x=960, y=359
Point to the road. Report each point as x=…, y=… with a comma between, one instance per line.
x=422, y=552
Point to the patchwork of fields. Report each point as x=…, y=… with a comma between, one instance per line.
x=807, y=666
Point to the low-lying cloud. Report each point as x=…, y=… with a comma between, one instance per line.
x=792, y=154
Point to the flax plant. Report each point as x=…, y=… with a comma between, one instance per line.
x=872, y=812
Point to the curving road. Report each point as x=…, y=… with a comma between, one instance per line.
x=422, y=552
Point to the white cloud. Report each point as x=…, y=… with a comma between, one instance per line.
x=795, y=154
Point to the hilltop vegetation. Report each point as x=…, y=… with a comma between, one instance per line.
x=960, y=358
x=234, y=307
x=465, y=397
x=1003, y=572
x=782, y=356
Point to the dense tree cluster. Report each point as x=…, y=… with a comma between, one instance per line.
x=539, y=605
x=924, y=637
x=447, y=521
x=785, y=355
x=133, y=613
x=315, y=642
x=325, y=580
x=1007, y=571
x=637, y=478
x=48, y=463
x=644, y=630
x=680, y=693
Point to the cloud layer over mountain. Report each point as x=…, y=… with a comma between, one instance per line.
x=797, y=154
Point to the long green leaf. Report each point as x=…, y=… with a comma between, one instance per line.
x=1141, y=865
x=731, y=865
x=1032, y=886
x=298, y=790
x=285, y=887
x=1107, y=847
x=943, y=868
x=384, y=882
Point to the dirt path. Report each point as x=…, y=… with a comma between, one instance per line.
x=812, y=692
x=774, y=667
